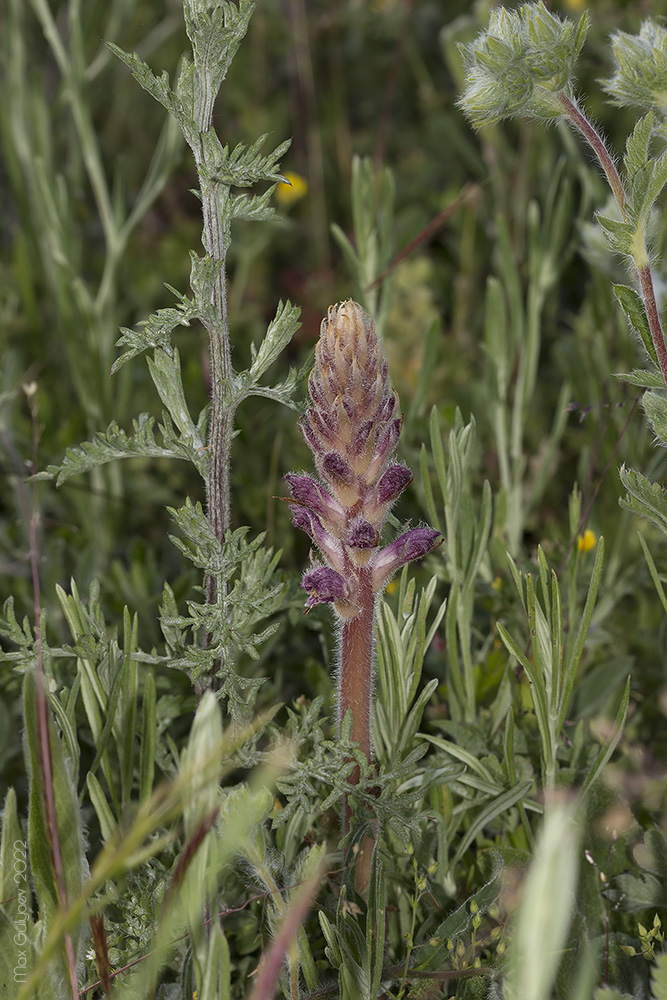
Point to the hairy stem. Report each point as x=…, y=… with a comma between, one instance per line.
x=356, y=666
x=653, y=317
x=599, y=147
x=597, y=143
x=355, y=691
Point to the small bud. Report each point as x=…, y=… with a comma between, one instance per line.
x=324, y=586
x=640, y=79
x=341, y=477
x=308, y=492
x=411, y=545
x=330, y=547
x=392, y=483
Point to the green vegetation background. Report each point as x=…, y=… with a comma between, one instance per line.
x=377, y=79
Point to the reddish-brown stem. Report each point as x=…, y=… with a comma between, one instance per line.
x=355, y=689
x=597, y=144
x=653, y=317
x=356, y=666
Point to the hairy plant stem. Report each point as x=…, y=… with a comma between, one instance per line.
x=599, y=147
x=653, y=317
x=640, y=256
x=216, y=243
x=355, y=692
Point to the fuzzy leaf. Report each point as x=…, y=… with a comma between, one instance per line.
x=644, y=497
x=278, y=335
x=642, y=377
x=165, y=369
x=634, y=310
x=619, y=235
x=655, y=406
x=115, y=444
x=216, y=31
x=158, y=87
x=254, y=208
x=244, y=166
x=155, y=332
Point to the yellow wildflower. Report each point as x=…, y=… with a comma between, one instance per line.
x=587, y=541
x=288, y=194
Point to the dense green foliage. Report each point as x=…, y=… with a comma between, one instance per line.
x=185, y=720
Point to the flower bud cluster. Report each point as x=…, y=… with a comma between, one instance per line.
x=352, y=428
x=640, y=78
x=520, y=65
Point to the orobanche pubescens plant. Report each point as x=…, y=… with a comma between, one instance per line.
x=352, y=428
x=523, y=66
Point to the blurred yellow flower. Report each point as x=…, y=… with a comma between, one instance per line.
x=586, y=542
x=575, y=5
x=288, y=194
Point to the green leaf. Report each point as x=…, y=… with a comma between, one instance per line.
x=637, y=145
x=436, y=956
x=243, y=166
x=659, y=978
x=254, y=208
x=104, y=814
x=278, y=335
x=155, y=332
x=620, y=236
x=148, y=739
x=165, y=369
x=496, y=807
x=115, y=444
x=645, y=498
x=655, y=406
x=640, y=892
x=633, y=307
x=608, y=747
x=643, y=377
x=546, y=909
x=160, y=89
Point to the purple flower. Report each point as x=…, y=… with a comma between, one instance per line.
x=324, y=586
x=309, y=493
x=330, y=547
x=392, y=483
x=384, y=449
x=362, y=534
x=411, y=545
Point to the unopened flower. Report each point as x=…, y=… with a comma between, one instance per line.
x=640, y=77
x=324, y=586
x=412, y=545
x=520, y=65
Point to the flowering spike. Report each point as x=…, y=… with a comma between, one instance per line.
x=352, y=429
